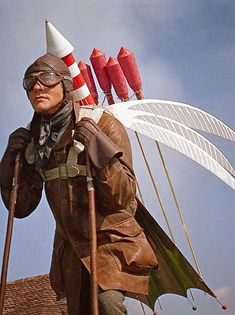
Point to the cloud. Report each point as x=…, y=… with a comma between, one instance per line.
x=160, y=80
x=223, y=292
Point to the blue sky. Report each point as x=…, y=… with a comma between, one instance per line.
x=185, y=51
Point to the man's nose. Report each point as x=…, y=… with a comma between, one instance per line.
x=37, y=85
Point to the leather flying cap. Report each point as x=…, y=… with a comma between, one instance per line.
x=52, y=63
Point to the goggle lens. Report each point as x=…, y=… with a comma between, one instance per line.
x=46, y=78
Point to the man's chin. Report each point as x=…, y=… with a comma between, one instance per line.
x=40, y=109
x=45, y=110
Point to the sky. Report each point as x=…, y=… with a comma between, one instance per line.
x=185, y=51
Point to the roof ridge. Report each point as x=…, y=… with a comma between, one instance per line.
x=32, y=278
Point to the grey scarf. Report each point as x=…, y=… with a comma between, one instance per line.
x=52, y=129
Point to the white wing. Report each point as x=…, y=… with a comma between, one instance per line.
x=187, y=115
x=180, y=138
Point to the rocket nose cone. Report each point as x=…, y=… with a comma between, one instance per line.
x=111, y=62
x=57, y=44
x=96, y=53
x=123, y=52
x=82, y=65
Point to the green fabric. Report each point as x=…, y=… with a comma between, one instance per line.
x=64, y=171
x=176, y=274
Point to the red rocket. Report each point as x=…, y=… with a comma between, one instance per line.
x=129, y=67
x=117, y=78
x=88, y=77
x=98, y=61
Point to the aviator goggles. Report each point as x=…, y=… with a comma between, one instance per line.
x=46, y=78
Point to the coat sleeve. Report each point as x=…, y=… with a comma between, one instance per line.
x=116, y=183
x=30, y=185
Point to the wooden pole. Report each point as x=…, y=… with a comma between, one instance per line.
x=7, y=247
x=93, y=239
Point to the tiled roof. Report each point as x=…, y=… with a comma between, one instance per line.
x=32, y=296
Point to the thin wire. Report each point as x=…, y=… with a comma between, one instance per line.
x=105, y=97
x=139, y=191
x=155, y=187
x=160, y=305
x=179, y=210
x=142, y=308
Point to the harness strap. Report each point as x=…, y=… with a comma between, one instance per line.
x=63, y=171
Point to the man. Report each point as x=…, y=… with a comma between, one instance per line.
x=53, y=150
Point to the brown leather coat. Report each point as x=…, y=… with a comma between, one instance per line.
x=124, y=256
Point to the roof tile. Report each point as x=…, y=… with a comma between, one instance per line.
x=32, y=296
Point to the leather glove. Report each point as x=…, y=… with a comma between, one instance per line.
x=17, y=143
x=18, y=140
x=99, y=146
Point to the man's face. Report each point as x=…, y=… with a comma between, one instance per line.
x=46, y=99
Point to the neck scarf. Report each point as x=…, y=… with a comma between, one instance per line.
x=52, y=129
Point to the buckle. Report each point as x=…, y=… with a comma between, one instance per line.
x=41, y=173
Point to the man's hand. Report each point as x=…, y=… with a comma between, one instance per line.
x=18, y=140
x=85, y=130
x=99, y=146
x=17, y=143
